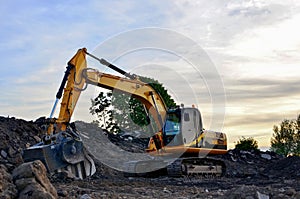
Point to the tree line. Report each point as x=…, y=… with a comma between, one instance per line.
x=285, y=139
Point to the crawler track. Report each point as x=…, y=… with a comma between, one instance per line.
x=196, y=167
x=181, y=167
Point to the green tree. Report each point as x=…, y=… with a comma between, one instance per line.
x=159, y=88
x=286, y=137
x=247, y=144
x=118, y=110
x=101, y=108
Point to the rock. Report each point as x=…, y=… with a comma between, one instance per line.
x=290, y=192
x=37, y=138
x=11, y=152
x=85, y=196
x=24, y=182
x=62, y=193
x=280, y=196
x=261, y=195
x=281, y=190
x=289, y=182
x=266, y=156
x=3, y=154
x=242, y=192
x=297, y=196
x=7, y=188
x=64, y=176
x=35, y=191
x=167, y=191
x=32, y=181
x=9, y=166
x=16, y=159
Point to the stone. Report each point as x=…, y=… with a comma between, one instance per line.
x=65, y=175
x=85, y=196
x=280, y=196
x=3, y=154
x=16, y=160
x=11, y=152
x=290, y=192
x=37, y=138
x=167, y=191
x=35, y=191
x=24, y=182
x=266, y=156
x=242, y=192
x=27, y=145
x=297, y=196
x=62, y=193
x=261, y=195
x=39, y=180
x=7, y=188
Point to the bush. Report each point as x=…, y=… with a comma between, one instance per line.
x=247, y=144
x=286, y=137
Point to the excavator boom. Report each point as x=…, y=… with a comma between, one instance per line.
x=80, y=76
x=137, y=89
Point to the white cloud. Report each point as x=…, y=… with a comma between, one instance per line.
x=266, y=42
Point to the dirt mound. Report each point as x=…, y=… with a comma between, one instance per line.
x=243, y=164
x=253, y=174
x=128, y=141
x=287, y=168
x=16, y=135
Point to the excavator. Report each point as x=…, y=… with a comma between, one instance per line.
x=185, y=146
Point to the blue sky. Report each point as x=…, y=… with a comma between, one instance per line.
x=254, y=45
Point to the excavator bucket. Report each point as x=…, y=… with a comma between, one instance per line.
x=67, y=153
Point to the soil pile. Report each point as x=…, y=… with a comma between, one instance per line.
x=286, y=168
x=16, y=135
x=249, y=174
x=243, y=164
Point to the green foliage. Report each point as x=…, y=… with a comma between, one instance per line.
x=101, y=108
x=247, y=144
x=286, y=137
x=118, y=111
x=158, y=87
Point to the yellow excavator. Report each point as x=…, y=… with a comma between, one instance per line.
x=181, y=138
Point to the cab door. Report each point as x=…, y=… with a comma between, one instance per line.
x=191, y=126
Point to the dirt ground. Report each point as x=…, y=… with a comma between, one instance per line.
x=114, y=185
x=248, y=175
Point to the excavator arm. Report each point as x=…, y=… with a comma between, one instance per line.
x=139, y=90
x=71, y=92
x=79, y=76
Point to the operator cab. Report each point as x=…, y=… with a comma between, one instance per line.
x=182, y=126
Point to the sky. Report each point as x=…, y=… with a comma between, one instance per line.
x=253, y=48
